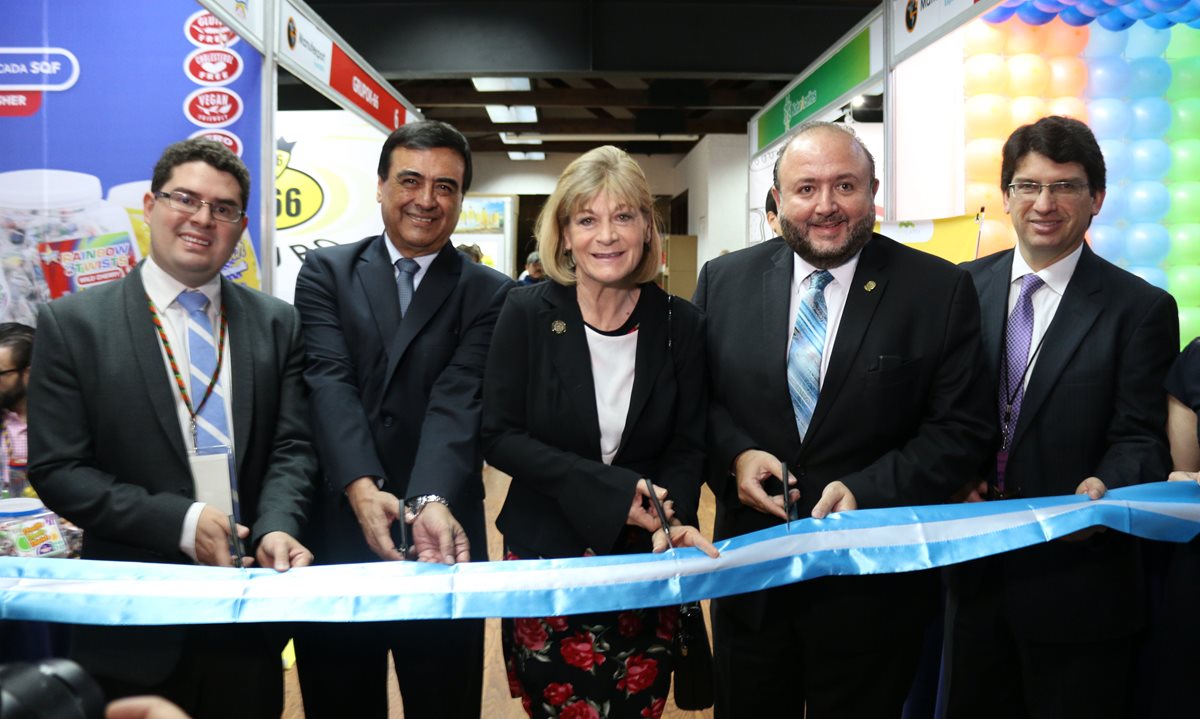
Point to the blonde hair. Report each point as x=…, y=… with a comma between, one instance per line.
x=605, y=169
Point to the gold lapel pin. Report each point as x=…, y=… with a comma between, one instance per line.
x=869, y=286
x=558, y=327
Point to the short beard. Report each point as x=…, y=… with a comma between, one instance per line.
x=797, y=239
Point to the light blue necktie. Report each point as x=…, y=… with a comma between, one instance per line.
x=404, y=282
x=806, y=350
x=212, y=424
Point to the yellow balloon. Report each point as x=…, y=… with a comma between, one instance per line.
x=986, y=116
x=1072, y=107
x=983, y=160
x=1026, y=110
x=996, y=236
x=1068, y=76
x=985, y=74
x=1028, y=74
x=984, y=38
x=985, y=195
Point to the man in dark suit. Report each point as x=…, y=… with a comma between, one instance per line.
x=1076, y=352
x=868, y=386
x=398, y=328
x=113, y=425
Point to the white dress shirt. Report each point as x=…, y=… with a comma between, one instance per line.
x=424, y=261
x=163, y=291
x=835, y=300
x=1045, y=300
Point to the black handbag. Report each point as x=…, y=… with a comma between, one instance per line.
x=693, y=660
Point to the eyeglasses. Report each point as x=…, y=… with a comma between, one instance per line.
x=184, y=202
x=1057, y=189
x=10, y=371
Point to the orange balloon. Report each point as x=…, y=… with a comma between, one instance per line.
x=986, y=195
x=996, y=236
x=1026, y=110
x=1023, y=39
x=1068, y=107
x=1027, y=75
x=984, y=38
x=986, y=116
x=1068, y=76
x=985, y=74
x=1062, y=39
x=983, y=160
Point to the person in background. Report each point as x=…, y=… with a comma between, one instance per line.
x=16, y=348
x=471, y=252
x=128, y=380
x=855, y=360
x=772, y=212
x=596, y=381
x=1076, y=352
x=398, y=327
x=534, y=272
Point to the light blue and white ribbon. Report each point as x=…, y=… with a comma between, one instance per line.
x=861, y=542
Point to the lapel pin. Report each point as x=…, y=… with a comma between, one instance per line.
x=558, y=327
x=869, y=286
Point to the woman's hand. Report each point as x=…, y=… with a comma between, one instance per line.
x=1184, y=477
x=683, y=536
x=641, y=510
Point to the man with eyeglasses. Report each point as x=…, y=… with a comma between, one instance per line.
x=168, y=420
x=1078, y=350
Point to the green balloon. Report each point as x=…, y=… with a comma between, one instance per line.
x=1185, y=245
x=1185, y=161
x=1189, y=325
x=1183, y=281
x=1185, y=42
x=1185, y=78
x=1185, y=204
x=1185, y=119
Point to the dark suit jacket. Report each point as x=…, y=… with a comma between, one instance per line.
x=391, y=399
x=540, y=422
x=106, y=450
x=1094, y=406
x=903, y=415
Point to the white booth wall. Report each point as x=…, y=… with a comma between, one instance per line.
x=714, y=175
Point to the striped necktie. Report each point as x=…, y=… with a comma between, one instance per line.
x=806, y=349
x=212, y=424
x=407, y=269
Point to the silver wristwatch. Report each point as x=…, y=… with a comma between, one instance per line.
x=413, y=507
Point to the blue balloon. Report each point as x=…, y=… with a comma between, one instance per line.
x=1110, y=118
x=1103, y=42
x=1115, y=21
x=1108, y=77
x=1116, y=158
x=1049, y=6
x=1154, y=275
x=1147, y=201
x=1093, y=8
x=1147, y=243
x=1069, y=3
x=1145, y=41
x=1148, y=159
x=1187, y=13
x=1194, y=24
x=999, y=14
x=1107, y=241
x=1149, y=77
x=1116, y=3
x=1158, y=22
x=1136, y=10
x=1151, y=117
x=1164, y=5
x=1030, y=15
x=1073, y=17
x=1113, y=209
x=1014, y=4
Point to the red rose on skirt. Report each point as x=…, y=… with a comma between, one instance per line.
x=655, y=710
x=579, y=710
x=640, y=673
x=558, y=624
x=515, y=688
x=668, y=623
x=557, y=694
x=530, y=634
x=580, y=651
x=629, y=624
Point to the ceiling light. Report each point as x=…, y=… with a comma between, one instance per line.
x=511, y=113
x=501, y=84
x=517, y=138
x=858, y=101
x=527, y=156
x=643, y=137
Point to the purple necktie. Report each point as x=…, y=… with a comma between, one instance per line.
x=1017, y=339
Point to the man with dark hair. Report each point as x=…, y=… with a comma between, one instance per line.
x=398, y=328
x=16, y=346
x=534, y=272
x=855, y=360
x=771, y=209
x=1076, y=352
x=167, y=420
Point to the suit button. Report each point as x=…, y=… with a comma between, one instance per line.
x=387, y=420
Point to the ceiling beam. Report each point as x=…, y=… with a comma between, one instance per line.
x=597, y=126
x=578, y=147
x=427, y=97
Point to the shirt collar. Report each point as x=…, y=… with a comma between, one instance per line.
x=163, y=288
x=842, y=274
x=394, y=255
x=1057, y=276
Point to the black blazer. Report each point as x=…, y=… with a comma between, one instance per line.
x=396, y=399
x=106, y=450
x=1094, y=406
x=903, y=414
x=540, y=423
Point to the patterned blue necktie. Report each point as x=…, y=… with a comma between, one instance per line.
x=404, y=282
x=806, y=350
x=211, y=421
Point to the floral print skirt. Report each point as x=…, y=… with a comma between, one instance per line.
x=606, y=665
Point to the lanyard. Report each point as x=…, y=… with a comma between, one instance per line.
x=212, y=383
